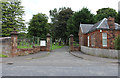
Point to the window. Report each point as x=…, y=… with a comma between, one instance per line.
x=88, y=41
x=104, y=39
x=93, y=40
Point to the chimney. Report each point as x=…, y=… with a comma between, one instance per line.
x=111, y=22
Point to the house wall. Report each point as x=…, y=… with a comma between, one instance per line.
x=98, y=39
x=111, y=34
x=82, y=38
x=95, y=37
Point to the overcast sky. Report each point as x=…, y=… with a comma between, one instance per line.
x=32, y=7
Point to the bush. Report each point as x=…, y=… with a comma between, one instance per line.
x=117, y=43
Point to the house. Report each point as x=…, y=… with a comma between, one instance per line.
x=99, y=35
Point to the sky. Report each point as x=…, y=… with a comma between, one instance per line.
x=33, y=7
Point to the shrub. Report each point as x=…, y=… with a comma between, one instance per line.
x=117, y=43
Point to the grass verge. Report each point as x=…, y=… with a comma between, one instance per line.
x=56, y=47
x=1, y=55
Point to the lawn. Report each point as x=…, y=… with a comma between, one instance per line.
x=26, y=46
x=56, y=46
x=1, y=55
x=20, y=46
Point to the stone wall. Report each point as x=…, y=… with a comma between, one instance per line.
x=5, y=45
x=100, y=52
x=9, y=46
x=35, y=49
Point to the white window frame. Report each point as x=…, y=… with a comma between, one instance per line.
x=104, y=37
x=88, y=41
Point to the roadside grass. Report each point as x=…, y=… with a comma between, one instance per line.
x=56, y=46
x=23, y=46
x=1, y=55
x=26, y=46
x=20, y=46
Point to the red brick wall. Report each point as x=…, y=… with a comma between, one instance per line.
x=82, y=38
x=43, y=48
x=80, y=35
x=98, y=39
x=111, y=34
x=27, y=51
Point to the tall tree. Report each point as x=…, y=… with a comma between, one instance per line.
x=54, y=20
x=63, y=17
x=83, y=16
x=105, y=13
x=12, y=13
x=59, y=20
x=38, y=25
x=54, y=14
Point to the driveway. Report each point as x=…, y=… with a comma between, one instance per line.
x=57, y=63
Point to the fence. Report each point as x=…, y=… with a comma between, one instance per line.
x=29, y=42
x=32, y=45
x=24, y=46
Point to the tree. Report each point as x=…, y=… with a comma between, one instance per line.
x=54, y=22
x=59, y=20
x=12, y=13
x=105, y=13
x=63, y=17
x=83, y=16
x=38, y=25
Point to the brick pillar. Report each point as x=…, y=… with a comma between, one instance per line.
x=71, y=42
x=14, y=36
x=48, y=42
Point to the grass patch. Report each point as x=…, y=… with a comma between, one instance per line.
x=1, y=55
x=56, y=46
x=26, y=46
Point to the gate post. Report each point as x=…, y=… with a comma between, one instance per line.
x=14, y=37
x=48, y=42
x=71, y=42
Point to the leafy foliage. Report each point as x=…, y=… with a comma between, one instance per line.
x=83, y=16
x=12, y=13
x=59, y=21
x=105, y=13
x=117, y=43
x=38, y=25
x=63, y=17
